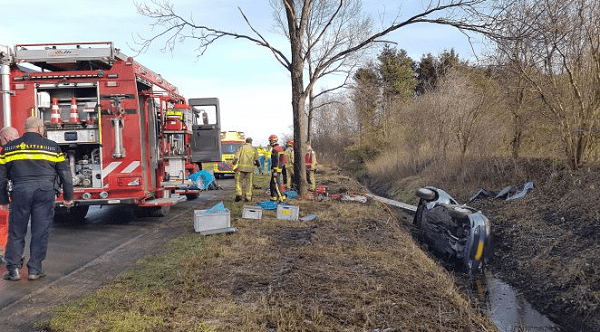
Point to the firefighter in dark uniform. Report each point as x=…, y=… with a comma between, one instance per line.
x=33, y=163
x=277, y=162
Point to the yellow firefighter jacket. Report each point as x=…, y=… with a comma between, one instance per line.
x=246, y=158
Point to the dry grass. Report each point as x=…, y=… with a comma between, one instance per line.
x=355, y=268
x=352, y=270
x=462, y=177
x=546, y=244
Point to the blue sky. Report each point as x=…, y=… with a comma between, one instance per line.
x=253, y=88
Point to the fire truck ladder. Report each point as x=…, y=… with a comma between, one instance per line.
x=100, y=55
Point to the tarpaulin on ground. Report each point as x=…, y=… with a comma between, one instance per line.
x=217, y=208
x=268, y=205
x=202, y=179
x=291, y=193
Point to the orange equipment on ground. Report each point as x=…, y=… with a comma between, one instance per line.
x=3, y=229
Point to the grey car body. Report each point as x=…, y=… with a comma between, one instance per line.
x=455, y=231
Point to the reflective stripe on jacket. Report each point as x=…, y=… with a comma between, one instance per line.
x=33, y=158
x=246, y=156
x=289, y=154
x=277, y=158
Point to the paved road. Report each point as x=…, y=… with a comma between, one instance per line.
x=83, y=257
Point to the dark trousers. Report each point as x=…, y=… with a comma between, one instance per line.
x=35, y=201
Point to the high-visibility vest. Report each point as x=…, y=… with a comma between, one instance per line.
x=311, y=159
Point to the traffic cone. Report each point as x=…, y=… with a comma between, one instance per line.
x=74, y=115
x=90, y=119
x=55, y=117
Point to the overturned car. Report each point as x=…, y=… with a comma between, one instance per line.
x=457, y=232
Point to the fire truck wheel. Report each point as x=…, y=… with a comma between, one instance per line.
x=157, y=211
x=192, y=196
x=75, y=214
x=160, y=211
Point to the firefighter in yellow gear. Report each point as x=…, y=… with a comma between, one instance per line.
x=311, y=166
x=245, y=163
x=288, y=167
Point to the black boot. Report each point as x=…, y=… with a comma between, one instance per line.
x=12, y=274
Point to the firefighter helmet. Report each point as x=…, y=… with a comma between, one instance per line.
x=273, y=138
x=290, y=143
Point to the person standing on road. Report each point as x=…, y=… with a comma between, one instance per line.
x=245, y=163
x=311, y=167
x=277, y=161
x=7, y=134
x=33, y=163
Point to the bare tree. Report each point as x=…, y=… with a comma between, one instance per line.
x=334, y=124
x=555, y=45
x=521, y=102
x=295, y=17
x=344, y=30
x=469, y=94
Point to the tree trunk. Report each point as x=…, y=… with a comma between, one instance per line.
x=298, y=97
x=310, y=118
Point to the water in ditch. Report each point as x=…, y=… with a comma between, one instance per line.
x=509, y=311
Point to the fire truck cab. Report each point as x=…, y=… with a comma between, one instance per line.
x=128, y=135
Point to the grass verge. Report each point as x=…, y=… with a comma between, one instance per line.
x=355, y=268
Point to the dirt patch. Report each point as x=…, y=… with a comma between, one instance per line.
x=547, y=244
x=548, y=247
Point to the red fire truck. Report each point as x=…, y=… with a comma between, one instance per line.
x=129, y=136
